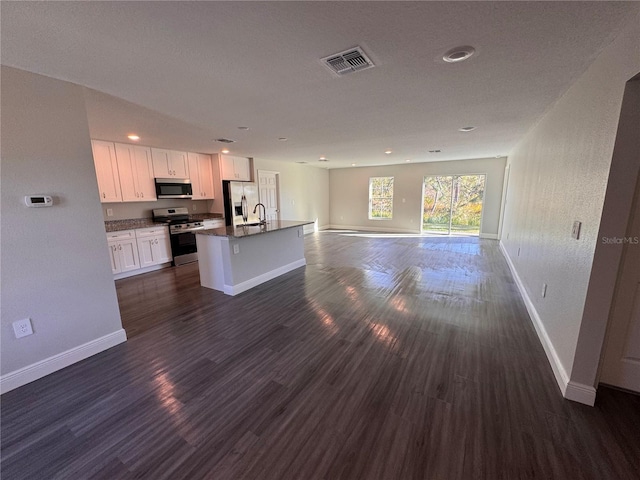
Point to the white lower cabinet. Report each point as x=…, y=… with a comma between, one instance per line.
x=154, y=246
x=131, y=250
x=123, y=250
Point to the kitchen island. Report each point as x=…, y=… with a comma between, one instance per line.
x=235, y=259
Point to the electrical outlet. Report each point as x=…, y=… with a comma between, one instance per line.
x=544, y=290
x=22, y=328
x=194, y=207
x=299, y=233
x=236, y=249
x=109, y=212
x=341, y=217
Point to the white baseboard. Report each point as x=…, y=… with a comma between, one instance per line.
x=490, y=236
x=265, y=277
x=30, y=373
x=372, y=229
x=581, y=393
x=562, y=378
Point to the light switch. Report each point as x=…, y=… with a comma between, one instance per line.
x=575, y=232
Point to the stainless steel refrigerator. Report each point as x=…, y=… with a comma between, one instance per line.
x=240, y=199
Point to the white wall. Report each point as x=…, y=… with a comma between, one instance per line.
x=304, y=190
x=559, y=174
x=55, y=265
x=349, y=193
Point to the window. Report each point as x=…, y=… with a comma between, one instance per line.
x=453, y=204
x=380, y=198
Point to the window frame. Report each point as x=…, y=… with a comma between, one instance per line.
x=388, y=197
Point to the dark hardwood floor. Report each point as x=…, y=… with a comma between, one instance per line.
x=384, y=358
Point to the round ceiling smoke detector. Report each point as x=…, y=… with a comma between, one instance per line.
x=458, y=54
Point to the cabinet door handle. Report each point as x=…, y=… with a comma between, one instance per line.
x=142, y=195
x=119, y=247
x=104, y=195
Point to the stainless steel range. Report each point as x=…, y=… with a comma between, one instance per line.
x=183, y=240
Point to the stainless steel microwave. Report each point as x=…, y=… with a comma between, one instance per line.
x=173, y=188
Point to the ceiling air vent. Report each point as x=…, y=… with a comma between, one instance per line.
x=349, y=61
x=224, y=140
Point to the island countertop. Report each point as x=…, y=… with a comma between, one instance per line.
x=249, y=231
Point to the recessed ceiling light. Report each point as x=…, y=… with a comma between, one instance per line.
x=133, y=137
x=435, y=151
x=323, y=159
x=224, y=150
x=458, y=54
x=388, y=152
x=243, y=128
x=353, y=164
x=283, y=139
x=466, y=129
x=408, y=160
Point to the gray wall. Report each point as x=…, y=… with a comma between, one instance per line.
x=349, y=193
x=559, y=174
x=55, y=265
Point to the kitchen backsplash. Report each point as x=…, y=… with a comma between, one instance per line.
x=127, y=210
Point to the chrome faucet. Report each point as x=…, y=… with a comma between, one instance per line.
x=263, y=221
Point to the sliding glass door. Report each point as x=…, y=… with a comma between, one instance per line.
x=452, y=204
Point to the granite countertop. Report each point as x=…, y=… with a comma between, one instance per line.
x=134, y=223
x=130, y=224
x=241, y=232
x=206, y=216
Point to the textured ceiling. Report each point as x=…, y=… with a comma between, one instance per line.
x=181, y=74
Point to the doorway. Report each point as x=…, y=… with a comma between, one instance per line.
x=269, y=192
x=621, y=362
x=452, y=204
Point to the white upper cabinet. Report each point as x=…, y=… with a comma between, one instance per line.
x=201, y=176
x=136, y=173
x=169, y=163
x=235, y=168
x=104, y=158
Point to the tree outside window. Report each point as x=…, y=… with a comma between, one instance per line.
x=380, y=198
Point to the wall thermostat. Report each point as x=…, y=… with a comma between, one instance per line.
x=38, y=200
